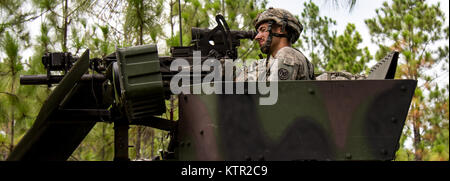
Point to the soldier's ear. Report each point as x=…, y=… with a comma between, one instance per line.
x=276, y=28
x=286, y=30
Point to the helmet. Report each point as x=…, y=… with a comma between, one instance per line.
x=281, y=17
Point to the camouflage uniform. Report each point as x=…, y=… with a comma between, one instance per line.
x=293, y=65
x=289, y=63
x=340, y=76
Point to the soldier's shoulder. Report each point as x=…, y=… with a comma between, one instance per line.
x=290, y=55
x=288, y=51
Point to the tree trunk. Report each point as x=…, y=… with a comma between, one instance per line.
x=223, y=8
x=171, y=106
x=152, y=143
x=417, y=140
x=141, y=26
x=138, y=142
x=64, y=45
x=13, y=91
x=11, y=146
x=141, y=34
x=180, y=22
x=171, y=18
x=105, y=142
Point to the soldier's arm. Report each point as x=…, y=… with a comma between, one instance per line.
x=291, y=68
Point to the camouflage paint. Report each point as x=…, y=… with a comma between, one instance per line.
x=312, y=120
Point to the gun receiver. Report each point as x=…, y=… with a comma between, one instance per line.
x=220, y=42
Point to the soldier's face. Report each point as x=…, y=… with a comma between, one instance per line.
x=263, y=35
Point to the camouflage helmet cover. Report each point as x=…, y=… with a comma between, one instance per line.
x=279, y=16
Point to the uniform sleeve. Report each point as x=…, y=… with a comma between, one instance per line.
x=291, y=67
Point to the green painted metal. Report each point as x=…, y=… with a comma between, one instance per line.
x=47, y=139
x=385, y=68
x=312, y=120
x=74, y=106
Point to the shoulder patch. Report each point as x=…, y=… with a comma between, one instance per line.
x=283, y=74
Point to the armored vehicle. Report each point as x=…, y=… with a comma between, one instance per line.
x=311, y=120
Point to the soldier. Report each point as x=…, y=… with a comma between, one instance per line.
x=277, y=30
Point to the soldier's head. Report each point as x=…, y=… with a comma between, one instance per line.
x=275, y=26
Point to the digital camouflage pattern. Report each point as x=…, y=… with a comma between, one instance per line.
x=384, y=69
x=340, y=76
x=288, y=64
x=293, y=65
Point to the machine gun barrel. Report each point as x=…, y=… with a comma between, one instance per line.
x=199, y=33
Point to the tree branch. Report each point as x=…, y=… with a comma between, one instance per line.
x=51, y=10
x=434, y=78
x=10, y=94
x=244, y=56
x=104, y=21
x=4, y=73
x=23, y=21
x=80, y=5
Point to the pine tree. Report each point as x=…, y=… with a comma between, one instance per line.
x=63, y=18
x=414, y=28
x=240, y=16
x=16, y=108
x=13, y=17
x=345, y=54
x=12, y=67
x=193, y=14
x=328, y=51
x=143, y=21
x=316, y=39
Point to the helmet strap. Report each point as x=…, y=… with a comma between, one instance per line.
x=279, y=35
x=285, y=22
x=266, y=48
